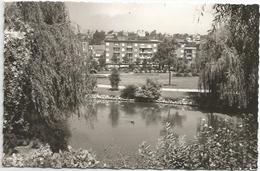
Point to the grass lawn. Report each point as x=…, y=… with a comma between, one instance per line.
x=163, y=78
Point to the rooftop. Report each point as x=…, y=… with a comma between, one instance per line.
x=133, y=41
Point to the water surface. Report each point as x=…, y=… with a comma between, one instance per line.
x=109, y=127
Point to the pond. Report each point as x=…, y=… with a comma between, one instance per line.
x=111, y=127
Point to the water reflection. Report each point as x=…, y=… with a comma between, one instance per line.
x=129, y=108
x=109, y=123
x=174, y=119
x=114, y=114
x=89, y=113
x=151, y=115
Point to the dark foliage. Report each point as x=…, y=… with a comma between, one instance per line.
x=129, y=92
x=45, y=73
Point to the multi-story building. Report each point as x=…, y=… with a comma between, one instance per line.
x=186, y=52
x=97, y=51
x=132, y=50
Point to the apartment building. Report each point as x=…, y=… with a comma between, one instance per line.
x=97, y=51
x=188, y=52
x=133, y=50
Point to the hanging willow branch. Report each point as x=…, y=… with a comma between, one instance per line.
x=229, y=58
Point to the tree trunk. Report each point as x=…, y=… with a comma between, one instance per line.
x=170, y=77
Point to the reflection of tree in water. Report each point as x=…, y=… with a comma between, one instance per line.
x=129, y=108
x=114, y=114
x=89, y=113
x=174, y=119
x=151, y=114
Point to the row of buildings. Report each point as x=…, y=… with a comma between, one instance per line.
x=130, y=51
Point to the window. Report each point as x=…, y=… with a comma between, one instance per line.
x=107, y=54
x=123, y=49
x=129, y=49
x=154, y=45
x=116, y=48
x=116, y=44
x=129, y=55
x=107, y=44
x=107, y=49
x=116, y=54
x=135, y=44
x=123, y=54
x=123, y=44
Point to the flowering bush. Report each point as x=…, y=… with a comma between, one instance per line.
x=148, y=92
x=228, y=146
x=44, y=157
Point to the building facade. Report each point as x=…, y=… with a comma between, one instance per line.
x=129, y=51
x=97, y=51
x=187, y=52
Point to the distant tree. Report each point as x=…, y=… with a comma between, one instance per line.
x=102, y=61
x=120, y=33
x=165, y=55
x=147, y=34
x=114, y=59
x=98, y=37
x=153, y=34
x=114, y=79
x=144, y=65
x=126, y=59
x=110, y=32
x=138, y=61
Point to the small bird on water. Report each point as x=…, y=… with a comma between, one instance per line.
x=132, y=122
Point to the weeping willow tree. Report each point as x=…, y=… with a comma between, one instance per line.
x=229, y=58
x=46, y=73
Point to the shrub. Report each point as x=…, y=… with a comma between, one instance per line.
x=129, y=92
x=225, y=146
x=178, y=74
x=114, y=79
x=186, y=74
x=148, y=92
x=44, y=157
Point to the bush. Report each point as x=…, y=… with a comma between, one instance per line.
x=178, y=74
x=114, y=79
x=186, y=74
x=148, y=92
x=129, y=92
x=226, y=146
x=44, y=157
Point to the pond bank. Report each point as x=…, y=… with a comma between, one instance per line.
x=183, y=101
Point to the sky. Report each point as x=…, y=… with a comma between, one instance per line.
x=163, y=17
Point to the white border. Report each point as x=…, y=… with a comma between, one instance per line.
x=101, y=1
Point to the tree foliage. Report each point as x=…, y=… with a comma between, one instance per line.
x=45, y=73
x=165, y=53
x=114, y=79
x=98, y=37
x=229, y=61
